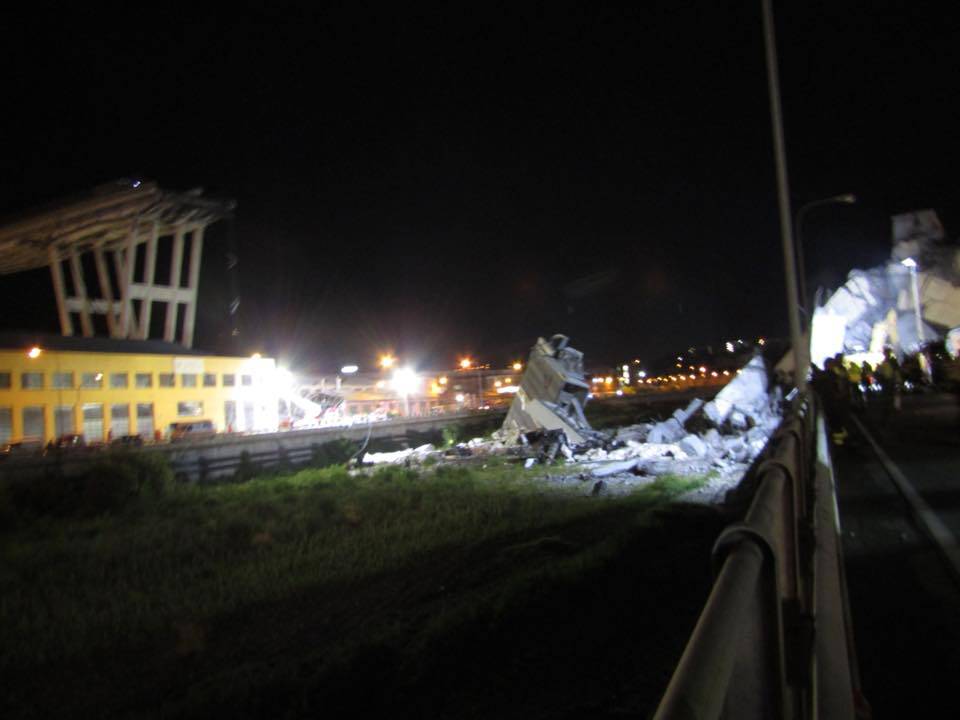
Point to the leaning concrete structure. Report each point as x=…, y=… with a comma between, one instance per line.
x=552, y=394
x=119, y=226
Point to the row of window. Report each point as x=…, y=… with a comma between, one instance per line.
x=34, y=423
x=67, y=380
x=92, y=417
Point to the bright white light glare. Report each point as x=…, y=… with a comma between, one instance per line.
x=405, y=381
x=459, y=397
x=34, y=352
x=908, y=263
x=507, y=389
x=729, y=347
x=349, y=369
x=517, y=366
x=642, y=373
x=702, y=369
x=619, y=392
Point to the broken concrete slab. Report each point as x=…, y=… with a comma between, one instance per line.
x=682, y=415
x=693, y=446
x=668, y=431
x=552, y=394
x=747, y=392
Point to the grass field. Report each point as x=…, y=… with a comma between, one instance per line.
x=413, y=592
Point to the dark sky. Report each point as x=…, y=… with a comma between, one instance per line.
x=464, y=179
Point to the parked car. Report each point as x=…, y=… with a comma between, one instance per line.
x=191, y=430
x=127, y=441
x=22, y=448
x=69, y=442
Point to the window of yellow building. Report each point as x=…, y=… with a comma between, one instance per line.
x=145, y=420
x=93, y=421
x=31, y=381
x=166, y=379
x=91, y=380
x=119, y=380
x=229, y=379
x=4, y=380
x=63, y=420
x=6, y=424
x=63, y=380
x=188, y=380
x=119, y=420
x=144, y=380
x=246, y=380
x=190, y=408
x=33, y=426
x=209, y=380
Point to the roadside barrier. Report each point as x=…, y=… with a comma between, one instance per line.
x=774, y=640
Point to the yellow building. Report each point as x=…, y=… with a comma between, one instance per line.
x=107, y=388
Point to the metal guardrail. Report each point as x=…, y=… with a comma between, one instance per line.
x=223, y=455
x=773, y=639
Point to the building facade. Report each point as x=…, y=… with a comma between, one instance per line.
x=108, y=389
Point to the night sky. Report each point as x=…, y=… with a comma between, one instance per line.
x=462, y=180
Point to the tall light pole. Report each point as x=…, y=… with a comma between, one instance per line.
x=783, y=196
x=844, y=199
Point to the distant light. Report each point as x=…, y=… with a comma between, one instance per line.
x=136, y=183
x=679, y=357
x=642, y=373
x=692, y=367
x=714, y=374
x=726, y=372
x=387, y=361
x=34, y=353
x=380, y=384
x=608, y=380
x=256, y=356
x=405, y=381
x=626, y=368
x=702, y=369
x=761, y=341
x=349, y=369
x=466, y=363
x=443, y=380
x=908, y=263
x=693, y=377
x=459, y=397
x=679, y=365
x=507, y=389
x=729, y=347
x=619, y=393
x=518, y=366
x=498, y=383
x=98, y=377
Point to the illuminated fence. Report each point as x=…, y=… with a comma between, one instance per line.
x=773, y=638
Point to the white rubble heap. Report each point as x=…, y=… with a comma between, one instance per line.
x=739, y=421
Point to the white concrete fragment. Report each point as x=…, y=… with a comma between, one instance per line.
x=614, y=468
x=693, y=446
x=398, y=457
x=747, y=391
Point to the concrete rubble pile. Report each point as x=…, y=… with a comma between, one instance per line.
x=718, y=439
x=876, y=307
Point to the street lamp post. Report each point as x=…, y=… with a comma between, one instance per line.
x=844, y=199
x=783, y=198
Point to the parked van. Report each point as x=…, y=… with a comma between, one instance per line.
x=191, y=430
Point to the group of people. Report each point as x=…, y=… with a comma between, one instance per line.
x=846, y=386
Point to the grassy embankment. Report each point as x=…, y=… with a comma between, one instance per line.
x=322, y=589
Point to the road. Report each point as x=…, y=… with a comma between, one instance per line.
x=904, y=598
